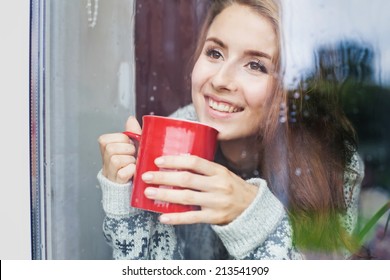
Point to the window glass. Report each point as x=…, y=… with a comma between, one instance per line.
x=105, y=60
x=87, y=77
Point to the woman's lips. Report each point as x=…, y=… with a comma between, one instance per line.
x=222, y=106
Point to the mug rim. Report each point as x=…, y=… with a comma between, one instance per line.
x=180, y=120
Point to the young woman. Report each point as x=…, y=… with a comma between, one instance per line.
x=276, y=190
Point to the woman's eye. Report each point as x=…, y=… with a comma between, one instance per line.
x=257, y=66
x=213, y=54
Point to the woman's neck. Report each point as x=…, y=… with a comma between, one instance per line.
x=241, y=154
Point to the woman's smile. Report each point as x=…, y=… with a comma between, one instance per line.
x=218, y=108
x=223, y=106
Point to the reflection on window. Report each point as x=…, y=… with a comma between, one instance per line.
x=346, y=59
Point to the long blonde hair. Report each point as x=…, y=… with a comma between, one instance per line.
x=313, y=198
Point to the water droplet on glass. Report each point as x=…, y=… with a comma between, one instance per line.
x=154, y=88
x=151, y=113
x=296, y=95
x=282, y=119
x=151, y=98
x=298, y=172
x=243, y=154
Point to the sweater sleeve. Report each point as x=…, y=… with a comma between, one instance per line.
x=133, y=233
x=262, y=231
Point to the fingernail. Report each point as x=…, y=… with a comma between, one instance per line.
x=150, y=192
x=164, y=219
x=159, y=161
x=147, y=176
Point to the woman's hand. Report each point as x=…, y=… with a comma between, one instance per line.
x=118, y=153
x=221, y=194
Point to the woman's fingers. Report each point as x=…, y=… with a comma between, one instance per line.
x=221, y=194
x=189, y=162
x=125, y=174
x=116, y=163
x=112, y=138
x=207, y=216
x=186, y=197
x=183, y=179
x=118, y=153
x=118, y=157
x=185, y=218
x=182, y=196
x=113, y=149
x=217, y=205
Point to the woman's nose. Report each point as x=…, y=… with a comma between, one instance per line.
x=224, y=78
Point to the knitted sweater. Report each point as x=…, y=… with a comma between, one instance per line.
x=262, y=231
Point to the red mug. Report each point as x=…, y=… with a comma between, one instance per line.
x=167, y=136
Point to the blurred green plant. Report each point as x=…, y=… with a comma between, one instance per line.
x=372, y=222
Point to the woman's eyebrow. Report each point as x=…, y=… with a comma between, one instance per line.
x=216, y=41
x=258, y=53
x=248, y=52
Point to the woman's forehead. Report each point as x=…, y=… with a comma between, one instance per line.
x=241, y=26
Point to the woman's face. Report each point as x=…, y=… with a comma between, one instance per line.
x=234, y=73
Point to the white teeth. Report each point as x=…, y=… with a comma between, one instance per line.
x=222, y=107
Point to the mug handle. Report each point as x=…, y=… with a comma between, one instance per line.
x=132, y=135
